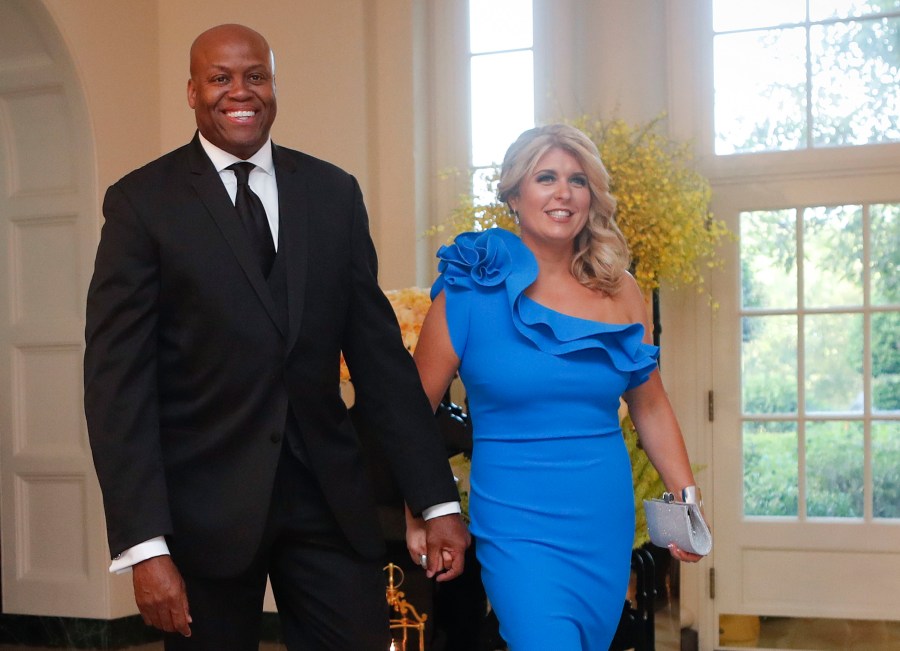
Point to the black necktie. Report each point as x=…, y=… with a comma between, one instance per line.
x=253, y=215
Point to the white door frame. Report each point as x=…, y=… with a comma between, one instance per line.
x=54, y=552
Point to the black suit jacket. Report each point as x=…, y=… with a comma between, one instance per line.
x=190, y=369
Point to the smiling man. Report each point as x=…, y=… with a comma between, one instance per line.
x=230, y=275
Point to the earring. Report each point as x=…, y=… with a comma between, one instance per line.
x=515, y=215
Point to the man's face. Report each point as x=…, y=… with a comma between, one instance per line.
x=232, y=89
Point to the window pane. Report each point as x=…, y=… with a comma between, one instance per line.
x=824, y=9
x=833, y=359
x=833, y=256
x=770, y=468
x=855, y=67
x=498, y=25
x=769, y=365
x=769, y=259
x=740, y=14
x=834, y=469
x=886, y=469
x=884, y=228
x=886, y=362
x=484, y=185
x=502, y=103
x=760, y=91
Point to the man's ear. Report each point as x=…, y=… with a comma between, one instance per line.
x=191, y=93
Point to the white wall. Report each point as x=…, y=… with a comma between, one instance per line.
x=344, y=71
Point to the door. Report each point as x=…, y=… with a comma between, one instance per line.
x=806, y=440
x=54, y=557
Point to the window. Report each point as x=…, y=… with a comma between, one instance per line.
x=501, y=68
x=820, y=315
x=799, y=74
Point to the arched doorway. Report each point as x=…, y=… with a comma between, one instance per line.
x=51, y=521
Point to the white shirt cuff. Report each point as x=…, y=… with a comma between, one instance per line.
x=141, y=552
x=445, y=508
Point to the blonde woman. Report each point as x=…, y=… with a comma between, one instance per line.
x=547, y=331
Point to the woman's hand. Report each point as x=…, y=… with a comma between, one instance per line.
x=681, y=555
x=415, y=537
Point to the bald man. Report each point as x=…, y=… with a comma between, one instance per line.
x=221, y=299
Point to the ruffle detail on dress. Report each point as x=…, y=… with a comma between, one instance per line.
x=473, y=259
x=496, y=256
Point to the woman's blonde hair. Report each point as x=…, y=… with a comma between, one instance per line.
x=601, y=253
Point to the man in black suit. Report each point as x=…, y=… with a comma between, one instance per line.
x=223, y=448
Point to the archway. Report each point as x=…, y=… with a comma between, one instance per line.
x=53, y=556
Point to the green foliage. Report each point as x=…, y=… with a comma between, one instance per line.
x=647, y=482
x=886, y=469
x=886, y=393
x=886, y=361
x=834, y=471
x=773, y=391
x=770, y=473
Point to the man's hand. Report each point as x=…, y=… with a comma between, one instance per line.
x=447, y=539
x=161, y=596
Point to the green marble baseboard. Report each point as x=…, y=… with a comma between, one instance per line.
x=79, y=633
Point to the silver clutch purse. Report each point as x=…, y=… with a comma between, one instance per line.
x=681, y=523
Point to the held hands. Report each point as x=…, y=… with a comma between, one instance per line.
x=442, y=541
x=161, y=596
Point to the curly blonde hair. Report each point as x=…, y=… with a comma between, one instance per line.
x=601, y=254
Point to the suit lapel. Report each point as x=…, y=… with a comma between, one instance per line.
x=206, y=181
x=293, y=217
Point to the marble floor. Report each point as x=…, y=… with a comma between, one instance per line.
x=775, y=633
x=667, y=637
x=824, y=635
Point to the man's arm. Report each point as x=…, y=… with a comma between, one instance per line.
x=387, y=385
x=120, y=377
x=386, y=382
x=121, y=406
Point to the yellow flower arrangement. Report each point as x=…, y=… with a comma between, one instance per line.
x=662, y=203
x=410, y=305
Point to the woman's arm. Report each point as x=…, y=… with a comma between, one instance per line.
x=435, y=358
x=437, y=364
x=655, y=421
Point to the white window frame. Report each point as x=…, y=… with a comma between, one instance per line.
x=691, y=115
x=782, y=179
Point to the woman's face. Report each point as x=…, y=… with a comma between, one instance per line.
x=554, y=201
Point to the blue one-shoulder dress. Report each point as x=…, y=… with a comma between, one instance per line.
x=551, y=502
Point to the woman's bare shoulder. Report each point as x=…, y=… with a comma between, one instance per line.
x=632, y=299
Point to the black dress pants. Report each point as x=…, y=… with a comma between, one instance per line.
x=329, y=597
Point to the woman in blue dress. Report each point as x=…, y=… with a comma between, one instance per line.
x=547, y=331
